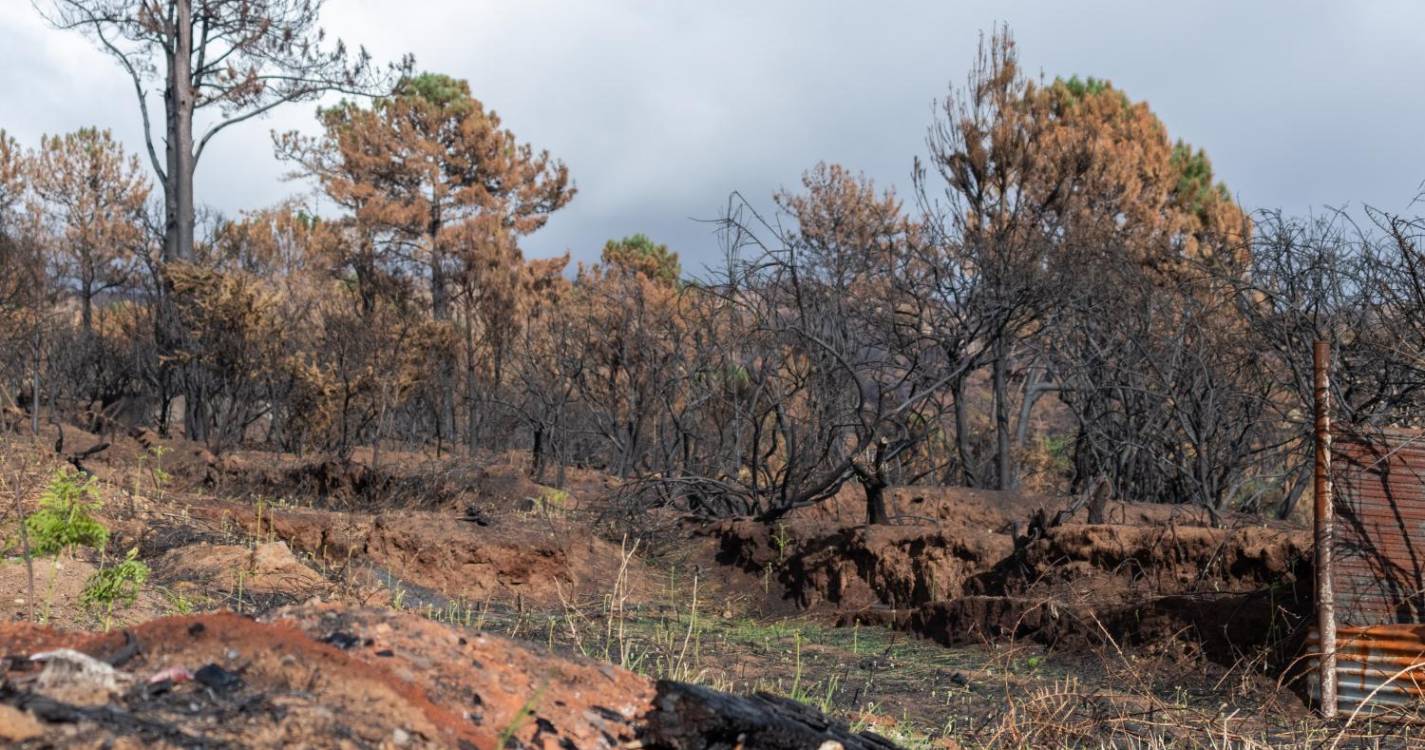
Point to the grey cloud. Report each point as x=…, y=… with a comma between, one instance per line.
x=662, y=109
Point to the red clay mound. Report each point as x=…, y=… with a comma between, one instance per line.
x=950, y=542
x=1226, y=593
x=1099, y=561
x=232, y=681
x=327, y=677
x=535, y=559
x=951, y=569
x=269, y=568
x=865, y=566
x=1222, y=627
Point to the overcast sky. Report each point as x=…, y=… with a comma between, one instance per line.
x=661, y=109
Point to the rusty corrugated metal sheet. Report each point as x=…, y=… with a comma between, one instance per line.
x=1379, y=548
x=1378, y=571
x=1382, y=664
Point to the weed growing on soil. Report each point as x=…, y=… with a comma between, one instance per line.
x=507, y=736
x=898, y=731
x=240, y=585
x=114, y=584
x=553, y=502
x=398, y=598
x=63, y=523
x=65, y=520
x=782, y=540
x=178, y=604
x=18, y=487
x=148, y=466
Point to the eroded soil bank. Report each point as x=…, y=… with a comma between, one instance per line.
x=960, y=568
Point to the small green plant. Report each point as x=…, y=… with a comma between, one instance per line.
x=160, y=477
x=115, y=584
x=507, y=735
x=782, y=540
x=148, y=463
x=241, y=584
x=65, y=518
x=178, y=604
x=552, y=501
x=1060, y=450
x=398, y=599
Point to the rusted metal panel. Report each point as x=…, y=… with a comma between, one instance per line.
x=1378, y=549
x=1378, y=668
x=1378, y=574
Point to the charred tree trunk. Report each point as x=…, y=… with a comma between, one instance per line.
x=876, y=503
x=537, y=455
x=178, y=102
x=472, y=409
x=35, y=382
x=873, y=481
x=1004, y=461
x=86, y=305
x=445, y=375
x=962, y=436
x=178, y=207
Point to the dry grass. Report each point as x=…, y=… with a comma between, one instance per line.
x=1015, y=695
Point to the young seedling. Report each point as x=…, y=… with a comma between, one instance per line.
x=115, y=584
x=65, y=520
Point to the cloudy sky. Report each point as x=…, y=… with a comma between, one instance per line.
x=661, y=109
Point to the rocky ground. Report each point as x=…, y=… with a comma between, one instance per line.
x=458, y=604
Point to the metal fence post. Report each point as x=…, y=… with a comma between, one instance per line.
x=1323, y=521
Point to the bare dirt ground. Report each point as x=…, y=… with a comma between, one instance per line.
x=394, y=605
x=331, y=676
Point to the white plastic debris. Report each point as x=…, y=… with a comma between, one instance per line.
x=78, y=678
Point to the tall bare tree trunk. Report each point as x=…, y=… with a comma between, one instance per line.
x=86, y=306
x=178, y=101
x=1004, y=461
x=178, y=108
x=472, y=411
x=874, y=483
x=440, y=310
x=962, y=435
x=35, y=383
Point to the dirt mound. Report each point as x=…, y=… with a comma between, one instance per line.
x=505, y=487
x=957, y=569
x=400, y=480
x=503, y=560
x=326, y=677
x=1099, y=561
x=865, y=566
x=950, y=542
x=536, y=560
x=339, y=485
x=1223, y=593
x=1222, y=627
x=264, y=569
x=59, y=586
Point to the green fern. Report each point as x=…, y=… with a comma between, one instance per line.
x=65, y=519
